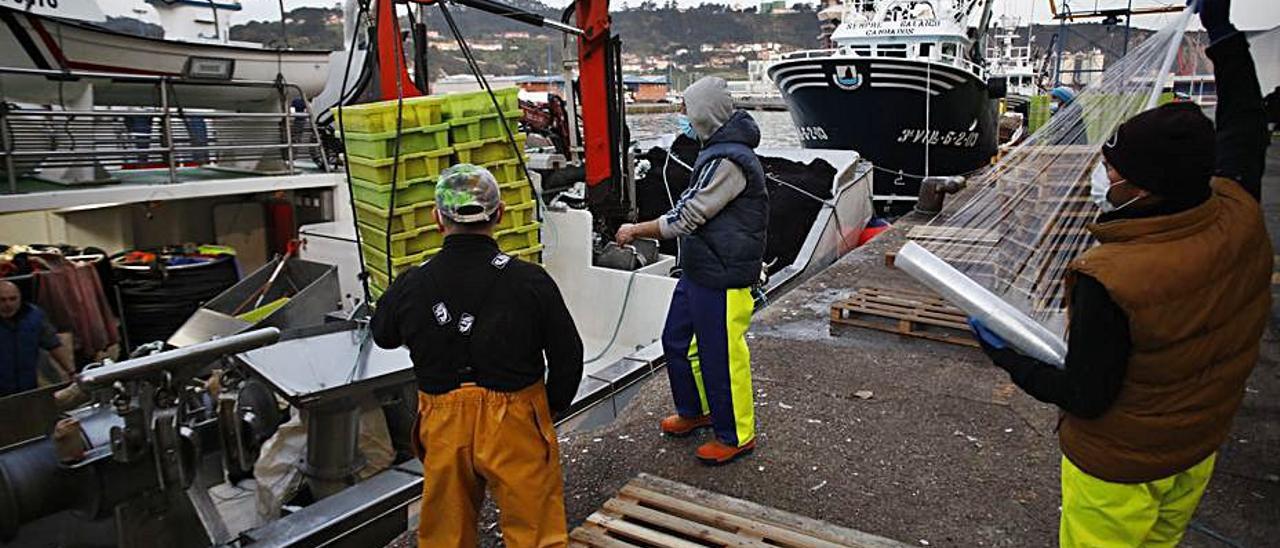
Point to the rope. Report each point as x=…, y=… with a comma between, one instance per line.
x=484, y=83
x=346, y=166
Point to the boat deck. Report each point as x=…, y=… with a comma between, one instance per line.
x=946, y=452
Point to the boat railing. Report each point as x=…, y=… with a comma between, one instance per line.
x=164, y=137
x=899, y=53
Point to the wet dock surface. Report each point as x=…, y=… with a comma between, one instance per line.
x=946, y=451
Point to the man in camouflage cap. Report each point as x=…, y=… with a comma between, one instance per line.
x=483, y=330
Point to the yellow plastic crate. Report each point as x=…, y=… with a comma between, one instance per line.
x=408, y=193
x=517, y=215
x=531, y=254
x=380, y=117
x=488, y=150
x=505, y=171
x=486, y=126
x=521, y=237
x=475, y=103
x=377, y=260
x=410, y=217
x=517, y=192
x=403, y=244
x=377, y=146
x=423, y=165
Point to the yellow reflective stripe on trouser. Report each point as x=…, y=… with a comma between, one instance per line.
x=738, y=307
x=697, y=375
x=1155, y=513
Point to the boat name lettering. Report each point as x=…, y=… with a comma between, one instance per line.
x=903, y=28
x=37, y=3
x=966, y=139
x=813, y=133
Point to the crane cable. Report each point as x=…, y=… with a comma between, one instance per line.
x=474, y=66
x=362, y=10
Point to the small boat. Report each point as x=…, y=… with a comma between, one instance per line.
x=66, y=36
x=905, y=86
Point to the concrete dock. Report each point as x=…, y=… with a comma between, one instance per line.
x=945, y=452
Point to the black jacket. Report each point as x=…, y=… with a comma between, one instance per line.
x=521, y=332
x=1099, y=344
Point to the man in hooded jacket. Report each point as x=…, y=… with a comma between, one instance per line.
x=721, y=222
x=1167, y=312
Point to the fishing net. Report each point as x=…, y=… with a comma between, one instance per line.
x=1002, y=254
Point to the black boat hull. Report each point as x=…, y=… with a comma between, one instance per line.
x=910, y=118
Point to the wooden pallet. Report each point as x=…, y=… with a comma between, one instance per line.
x=654, y=512
x=904, y=313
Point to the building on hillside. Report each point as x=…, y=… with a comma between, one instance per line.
x=641, y=89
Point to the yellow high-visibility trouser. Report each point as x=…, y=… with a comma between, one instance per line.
x=1155, y=513
x=472, y=437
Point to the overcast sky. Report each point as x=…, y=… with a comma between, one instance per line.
x=1247, y=14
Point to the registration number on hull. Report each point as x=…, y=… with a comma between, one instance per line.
x=812, y=133
x=963, y=139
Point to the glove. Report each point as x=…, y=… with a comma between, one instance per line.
x=1215, y=15
x=986, y=337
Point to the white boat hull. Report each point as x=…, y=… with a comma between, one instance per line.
x=33, y=42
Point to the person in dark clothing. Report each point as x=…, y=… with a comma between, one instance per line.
x=24, y=332
x=721, y=222
x=1166, y=313
x=483, y=330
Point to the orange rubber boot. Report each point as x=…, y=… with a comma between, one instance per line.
x=715, y=453
x=679, y=427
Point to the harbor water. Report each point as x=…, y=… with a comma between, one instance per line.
x=776, y=128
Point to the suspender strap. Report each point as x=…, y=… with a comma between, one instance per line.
x=456, y=313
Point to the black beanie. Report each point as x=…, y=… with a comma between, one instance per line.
x=1168, y=151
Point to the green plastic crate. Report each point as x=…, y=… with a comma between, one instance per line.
x=408, y=193
x=488, y=150
x=475, y=103
x=377, y=260
x=410, y=217
x=521, y=237
x=485, y=126
x=505, y=171
x=380, y=117
x=403, y=244
x=530, y=254
x=422, y=165
x=377, y=146
x=519, y=214
x=517, y=192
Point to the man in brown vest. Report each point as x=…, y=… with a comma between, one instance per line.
x=1167, y=312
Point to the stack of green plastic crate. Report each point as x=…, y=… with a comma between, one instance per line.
x=435, y=132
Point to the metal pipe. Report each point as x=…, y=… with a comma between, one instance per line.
x=1011, y=324
x=517, y=14
x=9, y=169
x=166, y=136
x=164, y=361
x=333, y=455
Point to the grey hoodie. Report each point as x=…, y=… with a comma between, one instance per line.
x=708, y=105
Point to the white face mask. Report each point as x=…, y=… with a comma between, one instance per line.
x=1100, y=185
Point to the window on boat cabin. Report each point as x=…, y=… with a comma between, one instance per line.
x=926, y=50
x=949, y=49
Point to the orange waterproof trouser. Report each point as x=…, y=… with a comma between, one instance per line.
x=473, y=437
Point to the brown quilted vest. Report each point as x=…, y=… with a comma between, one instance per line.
x=1196, y=288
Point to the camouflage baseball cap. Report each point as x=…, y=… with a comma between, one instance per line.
x=467, y=193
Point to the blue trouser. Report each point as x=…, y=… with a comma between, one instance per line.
x=707, y=358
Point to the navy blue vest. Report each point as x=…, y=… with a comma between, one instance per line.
x=20, y=350
x=727, y=251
